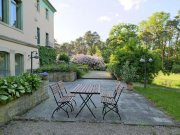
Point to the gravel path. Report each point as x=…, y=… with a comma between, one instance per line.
x=97, y=75
x=77, y=128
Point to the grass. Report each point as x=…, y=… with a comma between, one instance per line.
x=165, y=98
x=171, y=80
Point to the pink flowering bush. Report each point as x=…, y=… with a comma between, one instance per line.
x=93, y=62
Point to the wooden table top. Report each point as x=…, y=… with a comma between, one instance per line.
x=86, y=89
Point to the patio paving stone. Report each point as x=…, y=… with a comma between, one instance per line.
x=134, y=108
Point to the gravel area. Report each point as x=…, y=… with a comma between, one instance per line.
x=82, y=128
x=97, y=75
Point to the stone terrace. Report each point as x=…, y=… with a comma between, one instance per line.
x=134, y=108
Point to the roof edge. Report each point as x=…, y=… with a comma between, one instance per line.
x=50, y=5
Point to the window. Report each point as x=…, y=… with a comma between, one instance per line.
x=1, y=10
x=38, y=5
x=47, y=39
x=15, y=14
x=38, y=35
x=19, y=64
x=4, y=64
x=47, y=13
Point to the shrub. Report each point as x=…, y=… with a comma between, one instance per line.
x=128, y=72
x=64, y=57
x=176, y=68
x=14, y=86
x=93, y=62
x=133, y=55
x=79, y=69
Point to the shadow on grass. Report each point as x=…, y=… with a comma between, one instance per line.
x=156, y=86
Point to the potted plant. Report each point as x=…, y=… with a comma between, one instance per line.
x=44, y=76
x=128, y=74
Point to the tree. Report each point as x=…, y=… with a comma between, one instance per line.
x=80, y=46
x=155, y=27
x=92, y=40
x=123, y=34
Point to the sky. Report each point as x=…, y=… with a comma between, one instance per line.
x=75, y=17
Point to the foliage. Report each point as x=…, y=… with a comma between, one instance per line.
x=161, y=32
x=123, y=35
x=176, y=68
x=79, y=69
x=47, y=55
x=93, y=62
x=64, y=57
x=133, y=55
x=165, y=98
x=128, y=72
x=168, y=80
x=89, y=43
x=14, y=86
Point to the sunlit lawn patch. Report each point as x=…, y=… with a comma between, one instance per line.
x=172, y=80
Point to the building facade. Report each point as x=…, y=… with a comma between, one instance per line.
x=24, y=25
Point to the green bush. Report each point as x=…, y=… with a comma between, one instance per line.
x=14, y=86
x=79, y=69
x=133, y=55
x=64, y=57
x=128, y=72
x=176, y=68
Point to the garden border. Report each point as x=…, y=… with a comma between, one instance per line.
x=23, y=104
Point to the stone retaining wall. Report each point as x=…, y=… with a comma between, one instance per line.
x=64, y=76
x=23, y=104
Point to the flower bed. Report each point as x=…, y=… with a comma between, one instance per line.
x=65, y=72
x=18, y=96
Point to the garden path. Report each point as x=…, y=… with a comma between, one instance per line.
x=97, y=75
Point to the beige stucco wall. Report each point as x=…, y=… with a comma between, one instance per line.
x=31, y=20
x=13, y=48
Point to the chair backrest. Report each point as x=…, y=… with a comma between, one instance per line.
x=61, y=87
x=115, y=91
x=56, y=92
x=118, y=94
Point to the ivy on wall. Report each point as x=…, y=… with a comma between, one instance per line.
x=47, y=55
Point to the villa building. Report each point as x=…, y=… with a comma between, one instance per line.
x=24, y=25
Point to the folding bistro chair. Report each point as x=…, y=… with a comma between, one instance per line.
x=61, y=101
x=111, y=104
x=64, y=92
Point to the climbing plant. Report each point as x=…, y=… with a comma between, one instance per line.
x=47, y=55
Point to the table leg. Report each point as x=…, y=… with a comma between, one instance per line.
x=91, y=102
x=85, y=104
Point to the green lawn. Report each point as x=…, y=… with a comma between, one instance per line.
x=166, y=98
x=172, y=80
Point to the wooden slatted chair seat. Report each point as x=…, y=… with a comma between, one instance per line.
x=70, y=95
x=108, y=100
x=65, y=99
x=107, y=94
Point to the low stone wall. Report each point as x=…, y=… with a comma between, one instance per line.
x=64, y=76
x=23, y=104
